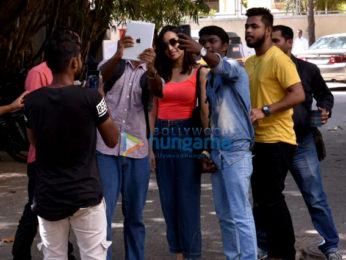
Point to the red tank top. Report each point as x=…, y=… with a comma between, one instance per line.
x=179, y=99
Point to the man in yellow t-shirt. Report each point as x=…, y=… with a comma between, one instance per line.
x=275, y=88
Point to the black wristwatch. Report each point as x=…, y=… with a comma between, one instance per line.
x=266, y=110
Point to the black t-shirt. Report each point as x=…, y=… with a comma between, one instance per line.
x=64, y=122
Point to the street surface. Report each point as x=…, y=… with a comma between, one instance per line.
x=336, y=85
x=13, y=197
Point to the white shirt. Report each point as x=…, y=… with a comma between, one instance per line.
x=300, y=45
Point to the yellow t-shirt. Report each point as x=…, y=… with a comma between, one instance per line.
x=270, y=75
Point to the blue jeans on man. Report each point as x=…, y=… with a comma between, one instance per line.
x=231, y=197
x=306, y=172
x=130, y=177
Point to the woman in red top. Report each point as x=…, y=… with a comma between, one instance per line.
x=177, y=177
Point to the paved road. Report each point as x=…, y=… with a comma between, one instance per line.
x=13, y=197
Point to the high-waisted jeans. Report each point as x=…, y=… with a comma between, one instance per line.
x=179, y=186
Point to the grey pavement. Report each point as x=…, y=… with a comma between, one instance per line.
x=13, y=197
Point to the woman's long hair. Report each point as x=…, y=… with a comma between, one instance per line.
x=163, y=64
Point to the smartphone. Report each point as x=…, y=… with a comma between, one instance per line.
x=185, y=28
x=93, y=79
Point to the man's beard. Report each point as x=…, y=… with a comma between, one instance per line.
x=258, y=43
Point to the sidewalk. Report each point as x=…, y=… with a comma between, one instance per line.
x=13, y=196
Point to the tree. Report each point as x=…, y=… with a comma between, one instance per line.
x=309, y=7
x=331, y=5
x=319, y=5
x=23, y=21
x=159, y=11
x=311, y=22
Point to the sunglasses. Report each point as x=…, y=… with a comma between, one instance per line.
x=173, y=42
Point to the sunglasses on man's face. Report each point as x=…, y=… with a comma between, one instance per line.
x=173, y=42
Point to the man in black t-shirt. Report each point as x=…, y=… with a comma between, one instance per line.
x=61, y=124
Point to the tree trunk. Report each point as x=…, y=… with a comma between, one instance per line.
x=311, y=22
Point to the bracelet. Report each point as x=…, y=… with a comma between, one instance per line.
x=153, y=77
x=205, y=154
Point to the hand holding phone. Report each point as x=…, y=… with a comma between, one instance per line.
x=183, y=29
x=93, y=79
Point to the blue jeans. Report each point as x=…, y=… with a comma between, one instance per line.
x=231, y=197
x=305, y=170
x=130, y=177
x=180, y=189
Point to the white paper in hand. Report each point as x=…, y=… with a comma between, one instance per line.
x=142, y=34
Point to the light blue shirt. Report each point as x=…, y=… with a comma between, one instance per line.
x=230, y=106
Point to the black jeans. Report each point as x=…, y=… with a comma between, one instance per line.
x=270, y=167
x=27, y=227
x=28, y=223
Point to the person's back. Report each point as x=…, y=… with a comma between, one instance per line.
x=38, y=77
x=65, y=119
x=61, y=124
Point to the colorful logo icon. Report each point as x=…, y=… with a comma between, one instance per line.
x=130, y=143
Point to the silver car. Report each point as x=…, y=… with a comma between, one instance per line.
x=329, y=54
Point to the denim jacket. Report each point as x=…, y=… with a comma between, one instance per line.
x=229, y=100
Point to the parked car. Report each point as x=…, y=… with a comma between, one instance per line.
x=329, y=54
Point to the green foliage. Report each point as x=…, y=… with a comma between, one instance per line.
x=342, y=6
x=23, y=20
x=319, y=5
x=212, y=12
x=159, y=12
x=331, y=4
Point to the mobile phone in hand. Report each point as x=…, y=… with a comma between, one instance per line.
x=93, y=79
x=185, y=29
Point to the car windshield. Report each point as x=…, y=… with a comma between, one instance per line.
x=336, y=42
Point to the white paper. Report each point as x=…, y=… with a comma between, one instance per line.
x=143, y=34
x=109, y=48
